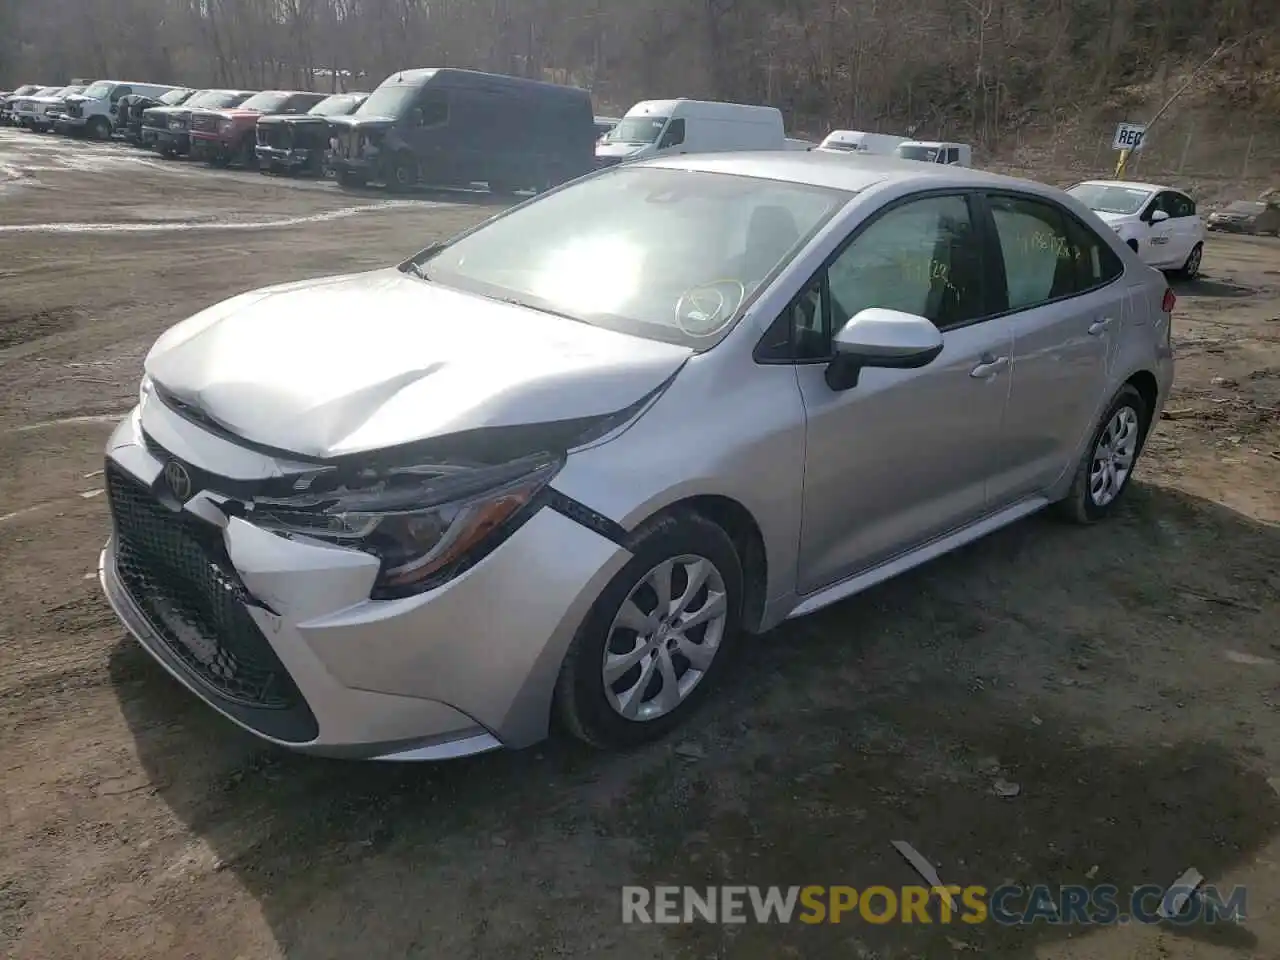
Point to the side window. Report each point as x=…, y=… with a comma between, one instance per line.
x=434, y=109
x=1039, y=260
x=1160, y=202
x=1096, y=262
x=674, y=134
x=1182, y=206
x=922, y=257
x=121, y=91
x=953, y=154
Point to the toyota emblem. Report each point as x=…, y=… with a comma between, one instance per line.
x=179, y=481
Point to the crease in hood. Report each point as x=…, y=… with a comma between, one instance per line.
x=365, y=362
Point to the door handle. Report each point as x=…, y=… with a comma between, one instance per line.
x=1099, y=327
x=989, y=367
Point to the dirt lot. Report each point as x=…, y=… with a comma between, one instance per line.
x=1125, y=677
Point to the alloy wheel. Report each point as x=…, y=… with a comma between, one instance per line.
x=1113, y=457
x=664, y=637
x=1193, y=263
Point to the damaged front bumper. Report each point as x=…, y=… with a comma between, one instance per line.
x=280, y=636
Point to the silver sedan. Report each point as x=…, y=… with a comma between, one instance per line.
x=554, y=468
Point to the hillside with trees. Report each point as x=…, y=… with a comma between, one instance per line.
x=985, y=71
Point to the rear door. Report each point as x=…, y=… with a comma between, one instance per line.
x=1188, y=229
x=1065, y=305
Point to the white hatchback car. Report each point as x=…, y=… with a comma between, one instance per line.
x=1159, y=223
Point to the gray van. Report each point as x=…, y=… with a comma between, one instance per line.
x=452, y=127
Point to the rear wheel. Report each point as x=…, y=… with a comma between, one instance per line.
x=1107, y=466
x=657, y=639
x=1191, y=268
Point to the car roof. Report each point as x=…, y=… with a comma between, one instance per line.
x=1132, y=185
x=851, y=172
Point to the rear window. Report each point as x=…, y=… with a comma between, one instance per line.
x=335, y=106
x=266, y=101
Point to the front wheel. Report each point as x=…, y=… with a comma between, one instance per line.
x=402, y=173
x=1191, y=268
x=100, y=128
x=658, y=637
x=1107, y=466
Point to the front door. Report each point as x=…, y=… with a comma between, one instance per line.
x=1066, y=308
x=903, y=456
x=427, y=133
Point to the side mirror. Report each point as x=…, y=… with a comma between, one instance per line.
x=877, y=337
x=1159, y=216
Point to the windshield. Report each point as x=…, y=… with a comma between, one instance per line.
x=839, y=145
x=389, y=100
x=100, y=90
x=335, y=106
x=666, y=254
x=927, y=154
x=216, y=99
x=636, y=130
x=26, y=90
x=266, y=101
x=1246, y=206
x=68, y=91
x=1109, y=198
x=174, y=97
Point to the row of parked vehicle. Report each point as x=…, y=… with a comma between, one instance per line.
x=440, y=126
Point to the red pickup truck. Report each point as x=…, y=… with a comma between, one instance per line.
x=224, y=137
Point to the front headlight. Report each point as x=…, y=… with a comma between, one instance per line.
x=427, y=524
x=225, y=126
x=145, y=387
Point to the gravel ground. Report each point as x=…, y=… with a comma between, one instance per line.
x=1125, y=677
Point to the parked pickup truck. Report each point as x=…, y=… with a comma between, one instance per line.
x=227, y=136
x=131, y=107
x=39, y=111
x=167, y=129
x=8, y=100
x=301, y=143
x=95, y=111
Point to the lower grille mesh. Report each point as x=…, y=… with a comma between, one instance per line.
x=192, y=598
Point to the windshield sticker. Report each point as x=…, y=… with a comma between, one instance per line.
x=707, y=309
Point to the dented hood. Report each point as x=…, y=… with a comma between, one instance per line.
x=343, y=365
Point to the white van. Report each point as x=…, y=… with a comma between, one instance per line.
x=655, y=127
x=856, y=141
x=937, y=151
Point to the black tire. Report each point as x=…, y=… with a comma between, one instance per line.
x=1080, y=505
x=402, y=173
x=350, y=180
x=99, y=128
x=1191, y=268
x=581, y=704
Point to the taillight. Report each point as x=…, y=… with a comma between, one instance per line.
x=1169, y=302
